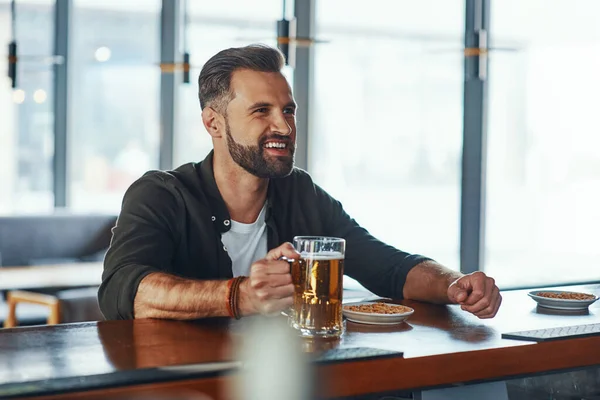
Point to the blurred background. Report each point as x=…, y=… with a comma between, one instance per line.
x=384, y=116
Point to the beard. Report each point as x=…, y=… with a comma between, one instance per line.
x=254, y=160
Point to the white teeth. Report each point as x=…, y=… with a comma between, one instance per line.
x=276, y=145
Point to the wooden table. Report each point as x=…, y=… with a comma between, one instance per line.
x=50, y=276
x=442, y=345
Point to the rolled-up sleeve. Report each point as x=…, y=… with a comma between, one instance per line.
x=143, y=242
x=379, y=267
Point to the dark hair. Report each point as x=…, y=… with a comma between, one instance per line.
x=215, y=78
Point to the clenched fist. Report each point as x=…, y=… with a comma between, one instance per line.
x=476, y=293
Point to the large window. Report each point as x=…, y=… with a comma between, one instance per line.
x=543, y=178
x=386, y=123
x=214, y=26
x=26, y=113
x=386, y=132
x=114, y=134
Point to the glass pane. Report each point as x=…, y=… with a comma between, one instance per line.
x=115, y=99
x=212, y=27
x=387, y=126
x=26, y=128
x=543, y=164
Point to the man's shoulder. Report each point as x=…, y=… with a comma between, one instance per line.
x=297, y=176
x=174, y=176
x=182, y=176
x=299, y=182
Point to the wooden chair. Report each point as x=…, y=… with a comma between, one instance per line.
x=72, y=305
x=18, y=296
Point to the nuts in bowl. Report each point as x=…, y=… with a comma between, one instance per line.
x=566, y=295
x=562, y=300
x=376, y=313
x=379, y=308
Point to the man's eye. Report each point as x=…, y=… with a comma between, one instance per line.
x=289, y=111
x=261, y=110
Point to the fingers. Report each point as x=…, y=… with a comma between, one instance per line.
x=270, y=274
x=477, y=283
x=460, y=296
x=480, y=298
x=271, y=292
x=275, y=306
x=457, y=294
x=283, y=279
x=484, y=299
x=492, y=307
x=270, y=282
x=285, y=250
x=264, y=269
x=492, y=310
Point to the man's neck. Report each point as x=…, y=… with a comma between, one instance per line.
x=243, y=193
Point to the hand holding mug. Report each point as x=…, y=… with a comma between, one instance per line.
x=269, y=287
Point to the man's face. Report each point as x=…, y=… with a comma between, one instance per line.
x=261, y=123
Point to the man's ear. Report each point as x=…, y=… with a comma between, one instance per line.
x=213, y=122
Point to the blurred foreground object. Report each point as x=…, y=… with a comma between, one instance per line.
x=274, y=365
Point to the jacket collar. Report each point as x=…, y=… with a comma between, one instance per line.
x=220, y=214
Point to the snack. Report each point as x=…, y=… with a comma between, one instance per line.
x=566, y=295
x=379, y=308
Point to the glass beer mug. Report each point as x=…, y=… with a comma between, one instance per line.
x=317, y=277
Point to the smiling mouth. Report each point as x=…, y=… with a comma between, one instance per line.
x=276, y=145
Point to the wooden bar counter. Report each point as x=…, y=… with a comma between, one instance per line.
x=441, y=346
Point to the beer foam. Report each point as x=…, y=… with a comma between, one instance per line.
x=323, y=255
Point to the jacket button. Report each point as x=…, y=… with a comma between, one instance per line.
x=226, y=222
x=213, y=218
x=225, y=248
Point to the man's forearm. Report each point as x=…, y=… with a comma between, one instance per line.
x=429, y=281
x=166, y=296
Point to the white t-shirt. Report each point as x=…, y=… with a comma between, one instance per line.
x=246, y=243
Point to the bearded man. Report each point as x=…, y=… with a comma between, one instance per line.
x=210, y=239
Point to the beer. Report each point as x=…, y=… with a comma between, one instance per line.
x=317, y=276
x=318, y=287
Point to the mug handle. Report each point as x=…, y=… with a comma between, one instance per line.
x=288, y=312
x=289, y=261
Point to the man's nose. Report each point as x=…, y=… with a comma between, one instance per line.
x=281, y=125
